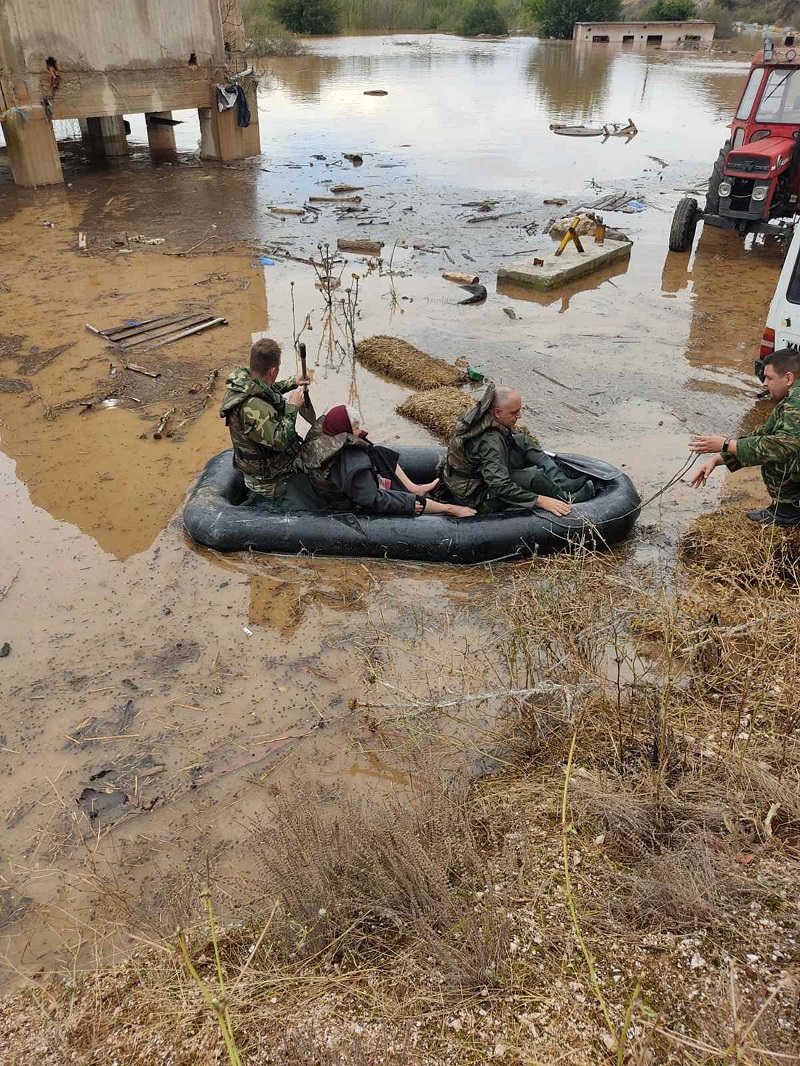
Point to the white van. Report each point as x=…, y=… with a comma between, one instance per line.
x=783, y=321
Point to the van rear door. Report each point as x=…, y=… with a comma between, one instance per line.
x=784, y=311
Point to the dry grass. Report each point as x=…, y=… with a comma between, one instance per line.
x=622, y=889
x=400, y=361
x=437, y=410
x=730, y=549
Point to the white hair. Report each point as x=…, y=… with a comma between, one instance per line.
x=354, y=415
x=503, y=395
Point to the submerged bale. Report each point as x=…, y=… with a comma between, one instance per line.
x=437, y=409
x=401, y=361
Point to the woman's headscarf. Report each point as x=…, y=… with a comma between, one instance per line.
x=336, y=421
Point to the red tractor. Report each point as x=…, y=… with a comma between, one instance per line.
x=755, y=184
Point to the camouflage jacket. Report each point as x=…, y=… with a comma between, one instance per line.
x=318, y=455
x=262, y=428
x=775, y=447
x=480, y=456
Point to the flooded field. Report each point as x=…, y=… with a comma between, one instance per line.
x=154, y=694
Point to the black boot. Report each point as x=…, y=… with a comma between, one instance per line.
x=585, y=493
x=784, y=515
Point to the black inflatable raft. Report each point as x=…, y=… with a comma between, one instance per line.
x=214, y=518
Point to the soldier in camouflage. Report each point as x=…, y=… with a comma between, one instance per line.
x=775, y=447
x=261, y=413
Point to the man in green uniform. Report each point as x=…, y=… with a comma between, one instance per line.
x=775, y=446
x=491, y=467
x=261, y=413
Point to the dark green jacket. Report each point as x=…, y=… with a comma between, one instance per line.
x=262, y=428
x=775, y=447
x=480, y=457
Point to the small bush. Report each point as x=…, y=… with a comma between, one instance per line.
x=672, y=10
x=557, y=17
x=483, y=17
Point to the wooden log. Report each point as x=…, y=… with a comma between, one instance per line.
x=347, y=188
x=360, y=247
x=288, y=210
x=141, y=370
x=335, y=199
x=461, y=279
x=162, y=425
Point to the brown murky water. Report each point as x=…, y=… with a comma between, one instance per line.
x=155, y=694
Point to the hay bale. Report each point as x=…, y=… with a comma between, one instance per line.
x=401, y=361
x=726, y=546
x=437, y=410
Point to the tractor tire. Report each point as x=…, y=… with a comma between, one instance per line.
x=712, y=196
x=684, y=224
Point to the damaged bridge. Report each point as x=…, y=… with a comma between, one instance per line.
x=96, y=62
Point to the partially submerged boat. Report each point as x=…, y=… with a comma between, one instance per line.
x=214, y=517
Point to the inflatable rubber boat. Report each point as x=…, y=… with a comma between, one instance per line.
x=213, y=517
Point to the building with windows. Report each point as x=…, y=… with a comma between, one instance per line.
x=655, y=34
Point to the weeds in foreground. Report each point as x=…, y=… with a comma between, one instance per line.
x=621, y=887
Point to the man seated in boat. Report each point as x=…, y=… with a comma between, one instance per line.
x=775, y=446
x=261, y=413
x=491, y=467
x=350, y=473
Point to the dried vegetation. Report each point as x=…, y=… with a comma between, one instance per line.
x=400, y=361
x=437, y=409
x=620, y=888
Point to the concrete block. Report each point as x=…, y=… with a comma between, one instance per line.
x=32, y=147
x=222, y=138
x=569, y=266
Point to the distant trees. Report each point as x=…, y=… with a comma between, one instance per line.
x=483, y=16
x=557, y=17
x=308, y=16
x=672, y=10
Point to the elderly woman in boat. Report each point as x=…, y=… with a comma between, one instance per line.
x=350, y=473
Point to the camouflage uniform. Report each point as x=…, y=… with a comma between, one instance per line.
x=493, y=468
x=775, y=447
x=262, y=428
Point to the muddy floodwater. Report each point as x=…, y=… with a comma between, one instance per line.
x=154, y=695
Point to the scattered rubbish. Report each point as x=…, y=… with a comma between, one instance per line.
x=402, y=362
x=437, y=410
x=354, y=158
x=287, y=210
x=5, y=650
x=81, y=241
x=659, y=160
x=49, y=225
x=212, y=377
x=576, y=131
x=154, y=332
x=247, y=631
x=461, y=279
x=478, y=294
x=512, y=314
x=493, y=218
x=376, y=92
x=266, y=261
x=633, y=207
x=360, y=247
x=335, y=199
x=140, y=238
x=347, y=188
x=614, y=201
x=161, y=428
x=620, y=129
x=587, y=226
x=475, y=375
x=556, y=201
x=538, y=262
x=141, y=370
x=14, y=385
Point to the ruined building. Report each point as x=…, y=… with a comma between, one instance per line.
x=96, y=60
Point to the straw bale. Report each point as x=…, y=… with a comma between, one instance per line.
x=437, y=410
x=727, y=546
x=402, y=362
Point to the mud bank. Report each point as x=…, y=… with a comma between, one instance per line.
x=153, y=693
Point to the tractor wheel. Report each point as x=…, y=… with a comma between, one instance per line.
x=712, y=196
x=684, y=224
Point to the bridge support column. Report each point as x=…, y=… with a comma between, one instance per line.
x=32, y=147
x=107, y=135
x=222, y=138
x=160, y=137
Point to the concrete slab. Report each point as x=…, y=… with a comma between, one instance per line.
x=569, y=266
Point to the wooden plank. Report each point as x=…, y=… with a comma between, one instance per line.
x=125, y=332
x=194, y=329
x=157, y=334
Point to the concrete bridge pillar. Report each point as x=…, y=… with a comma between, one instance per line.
x=160, y=135
x=220, y=135
x=107, y=135
x=32, y=147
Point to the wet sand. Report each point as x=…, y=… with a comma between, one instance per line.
x=155, y=693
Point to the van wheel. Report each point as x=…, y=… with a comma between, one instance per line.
x=712, y=196
x=684, y=224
